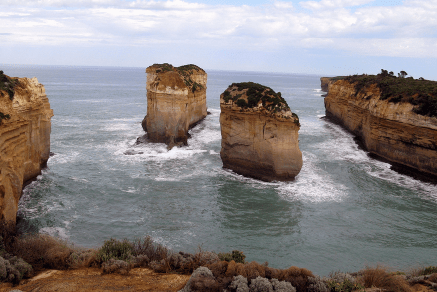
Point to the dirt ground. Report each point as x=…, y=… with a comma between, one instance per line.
x=91, y=279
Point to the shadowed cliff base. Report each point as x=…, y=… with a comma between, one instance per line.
x=397, y=167
x=176, y=102
x=394, y=117
x=259, y=133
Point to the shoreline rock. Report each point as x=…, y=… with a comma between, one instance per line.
x=259, y=133
x=390, y=130
x=24, y=140
x=176, y=102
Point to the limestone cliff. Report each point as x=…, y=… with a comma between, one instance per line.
x=387, y=123
x=259, y=133
x=24, y=138
x=325, y=81
x=176, y=101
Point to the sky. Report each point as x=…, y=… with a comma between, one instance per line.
x=323, y=37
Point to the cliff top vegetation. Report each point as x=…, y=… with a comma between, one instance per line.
x=250, y=94
x=8, y=84
x=185, y=71
x=420, y=92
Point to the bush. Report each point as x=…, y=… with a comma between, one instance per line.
x=260, y=284
x=84, y=258
x=201, y=279
x=342, y=282
x=236, y=255
x=242, y=103
x=115, y=249
x=239, y=284
x=14, y=269
x=43, y=251
x=116, y=266
x=316, y=284
x=380, y=278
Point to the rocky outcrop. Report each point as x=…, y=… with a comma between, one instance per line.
x=391, y=130
x=24, y=138
x=325, y=81
x=176, y=101
x=259, y=133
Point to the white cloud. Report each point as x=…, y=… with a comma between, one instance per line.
x=328, y=4
x=407, y=30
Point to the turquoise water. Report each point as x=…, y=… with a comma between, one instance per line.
x=344, y=211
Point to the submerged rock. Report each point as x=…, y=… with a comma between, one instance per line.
x=25, y=128
x=259, y=133
x=176, y=101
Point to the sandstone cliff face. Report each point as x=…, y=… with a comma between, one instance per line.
x=325, y=81
x=259, y=140
x=176, y=101
x=24, y=141
x=390, y=130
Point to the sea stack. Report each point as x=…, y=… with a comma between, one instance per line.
x=24, y=138
x=259, y=133
x=176, y=101
x=394, y=117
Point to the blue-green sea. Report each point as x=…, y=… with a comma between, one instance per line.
x=344, y=211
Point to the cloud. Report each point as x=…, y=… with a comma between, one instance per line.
x=407, y=30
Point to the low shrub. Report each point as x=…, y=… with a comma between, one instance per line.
x=84, y=258
x=342, y=282
x=115, y=249
x=14, y=269
x=428, y=270
x=113, y=266
x=236, y=255
x=379, y=277
x=43, y=251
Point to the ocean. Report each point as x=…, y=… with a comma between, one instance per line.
x=344, y=211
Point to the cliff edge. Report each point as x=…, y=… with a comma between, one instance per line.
x=24, y=138
x=259, y=133
x=176, y=101
x=395, y=118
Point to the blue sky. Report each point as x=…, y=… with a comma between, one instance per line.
x=325, y=37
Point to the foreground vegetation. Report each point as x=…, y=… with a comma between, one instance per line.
x=419, y=92
x=23, y=255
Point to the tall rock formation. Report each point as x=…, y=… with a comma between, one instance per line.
x=176, y=101
x=259, y=133
x=24, y=138
x=394, y=118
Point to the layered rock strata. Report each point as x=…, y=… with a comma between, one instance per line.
x=176, y=101
x=391, y=130
x=324, y=83
x=24, y=139
x=259, y=133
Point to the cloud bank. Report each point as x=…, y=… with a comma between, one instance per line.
x=352, y=26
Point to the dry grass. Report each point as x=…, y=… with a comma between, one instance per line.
x=43, y=252
x=379, y=277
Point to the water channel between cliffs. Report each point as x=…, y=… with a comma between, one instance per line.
x=343, y=211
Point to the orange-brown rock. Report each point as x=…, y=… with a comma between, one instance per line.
x=176, y=101
x=324, y=82
x=390, y=130
x=24, y=140
x=259, y=133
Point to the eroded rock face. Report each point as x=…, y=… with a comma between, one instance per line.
x=259, y=133
x=387, y=129
x=325, y=82
x=24, y=141
x=176, y=101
